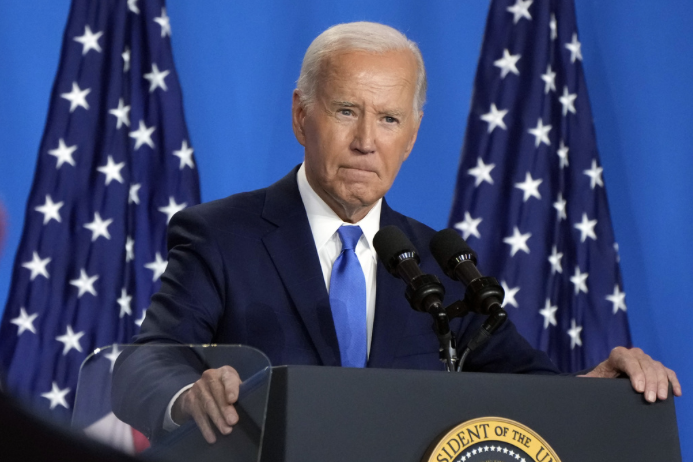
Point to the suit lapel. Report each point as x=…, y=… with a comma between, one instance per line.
x=391, y=308
x=292, y=249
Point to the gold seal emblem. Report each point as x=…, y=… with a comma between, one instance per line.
x=491, y=439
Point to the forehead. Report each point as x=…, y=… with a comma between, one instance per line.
x=375, y=76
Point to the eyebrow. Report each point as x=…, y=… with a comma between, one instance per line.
x=394, y=113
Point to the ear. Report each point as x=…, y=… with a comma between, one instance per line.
x=412, y=140
x=298, y=117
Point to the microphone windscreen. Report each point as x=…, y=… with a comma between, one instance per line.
x=446, y=245
x=389, y=243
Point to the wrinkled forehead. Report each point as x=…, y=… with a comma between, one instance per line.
x=391, y=74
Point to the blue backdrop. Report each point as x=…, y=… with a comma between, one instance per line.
x=238, y=62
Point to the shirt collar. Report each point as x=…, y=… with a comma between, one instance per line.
x=324, y=222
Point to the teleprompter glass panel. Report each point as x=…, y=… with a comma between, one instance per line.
x=124, y=390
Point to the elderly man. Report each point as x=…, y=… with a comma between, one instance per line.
x=291, y=269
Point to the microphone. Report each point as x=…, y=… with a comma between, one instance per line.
x=424, y=291
x=484, y=295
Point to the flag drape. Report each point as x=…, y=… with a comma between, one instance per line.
x=530, y=195
x=115, y=163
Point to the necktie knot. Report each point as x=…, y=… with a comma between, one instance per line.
x=350, y=236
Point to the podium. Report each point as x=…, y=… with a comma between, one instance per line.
x=337, y=414
x=312, y=413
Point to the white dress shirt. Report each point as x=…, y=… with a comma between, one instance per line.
x=324, y=224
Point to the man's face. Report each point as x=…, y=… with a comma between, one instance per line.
x=360, y=128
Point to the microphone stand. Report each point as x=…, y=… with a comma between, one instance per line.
x=425, y=293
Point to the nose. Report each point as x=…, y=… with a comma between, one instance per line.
x=364, y=135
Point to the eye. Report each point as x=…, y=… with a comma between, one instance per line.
x=391, y=120
x=346, y=112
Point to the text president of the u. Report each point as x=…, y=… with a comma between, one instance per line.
x=256, y=268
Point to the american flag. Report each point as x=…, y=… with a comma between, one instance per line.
x=530, y=195
x=115, y=164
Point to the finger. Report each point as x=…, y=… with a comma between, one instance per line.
x=211, y=404
x=662, y=381
x=217, y=387
x=651, y=378
x=203, y=424
x=231, y=381
x=624, y=361
x=675, y=385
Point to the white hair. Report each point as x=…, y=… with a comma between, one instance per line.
x=365, y=36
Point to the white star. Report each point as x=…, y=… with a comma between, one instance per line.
x=554, y=27
x=156, y=79
x=132, y=6
x=85, y=283
x=158, y=266
x=164, y=22
x=509, y=295
x=595, y=174
x=559, y=205
x=579, y=280
x=517, y=241
x=70, y=340
x=494, y=118
x=124, y=303
x=574, y=47
x=563, y=154
x=141, y=320
x=99, y=227
x=50, y=210
x=618, y=299
x=143, y=135
x=77, y=97
x=172, y=208
x=37, y=266
x=574, y=333
x=530, y=187
x=57, y=396
x=63, y=153
x=549, y=313
x=555, y=260
x=568, y=101
x=541, y=133
x=185, y=155
x=126, y=60
x=469, y=226
x=112, y=355
x=129, y=249
x=549, y=80
x=26, y=322
x=586, y=228
x=482, y=172
x=122, y=113
x=520, y=10
x=508, y=63
x=133, y=195
x=89, y=41
x=112, y=171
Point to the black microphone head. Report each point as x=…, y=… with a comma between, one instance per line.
x=447, y=246
x=390, y=243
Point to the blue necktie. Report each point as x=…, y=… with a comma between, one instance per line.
x=348, y=300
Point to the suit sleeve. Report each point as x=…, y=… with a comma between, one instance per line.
x=185, y=311
x=506, y=351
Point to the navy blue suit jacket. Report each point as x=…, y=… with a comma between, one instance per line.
x=245, y=269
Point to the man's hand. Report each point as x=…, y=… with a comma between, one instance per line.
x=647, y=376
x=210, y=399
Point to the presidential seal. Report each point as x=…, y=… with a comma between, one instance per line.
x=491, y=439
